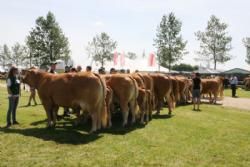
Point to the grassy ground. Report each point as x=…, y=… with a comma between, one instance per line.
x=239, y=92
x=215, y=136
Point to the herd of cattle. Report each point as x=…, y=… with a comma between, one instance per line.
x=98, y=95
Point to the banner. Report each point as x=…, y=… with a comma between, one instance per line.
x=151, y=60
x=122, y=59
x=115, y=58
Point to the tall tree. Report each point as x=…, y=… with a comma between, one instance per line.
x=101, y=48
x=131, y=55
x=19, y=54
x=169, y=43
x=5, y=55
x=246, y=42
x=215, y=43
x=184, y=67
x=47, y=42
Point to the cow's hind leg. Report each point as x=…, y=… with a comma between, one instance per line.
x=133, y=105
x=48, y=108
x=170, y=105
x=125, y=112
x=94, y=117
x=54, y=115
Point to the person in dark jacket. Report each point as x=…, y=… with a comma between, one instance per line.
x=13, y=87
x=196, y=91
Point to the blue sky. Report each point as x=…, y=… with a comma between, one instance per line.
x=132, y=23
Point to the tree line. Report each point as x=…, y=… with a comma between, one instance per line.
x=46, y=43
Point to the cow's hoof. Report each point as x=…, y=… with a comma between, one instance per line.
x=110, y=125
x=50, y=127
x=93, y=132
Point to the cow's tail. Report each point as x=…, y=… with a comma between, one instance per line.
x=103, y=115
x=221, y=88
x=136, y=92
x=222, y=91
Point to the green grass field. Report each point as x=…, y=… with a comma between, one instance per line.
x=239, y=92
x=216, y=136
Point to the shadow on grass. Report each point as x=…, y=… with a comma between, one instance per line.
x=39, y=122
x=62, y=136
x=25, y=106
x=66, y=133
x=157, y=116
x=207, y=102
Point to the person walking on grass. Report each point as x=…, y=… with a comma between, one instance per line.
x=32, y=93
x=32, y=96
x=13, y=87
x=196, y=91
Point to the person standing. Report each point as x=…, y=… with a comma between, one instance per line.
x=66, y=109
x=32, y=96
x=234, y=83
x=53, y=68
x=88, y=69
x=78, y=68
x=196, y=91
x=13, y=87
x=32, y=93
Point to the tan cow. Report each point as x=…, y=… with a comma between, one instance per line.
x=109, y=101
x=212, y=87
x=85, y=90
x=175, y=94
x=149, y=86
x=162, y=88
x=246, y=82
x=143, y=97
x=125, y=91
x=183, y=88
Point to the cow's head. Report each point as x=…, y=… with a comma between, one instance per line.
x=29, y=77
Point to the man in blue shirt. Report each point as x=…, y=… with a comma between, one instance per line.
x=234, y=83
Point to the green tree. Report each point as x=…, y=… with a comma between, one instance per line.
x=184, y=67
x=18, y=54
x=215, y=43
x=131, y=55
x=169, y=43
x=246, y=42
x=101, y=48
x=5, y=55
x=47, y=42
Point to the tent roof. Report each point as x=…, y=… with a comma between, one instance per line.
x=203, y=70
x=237, y=71
x=132, y=65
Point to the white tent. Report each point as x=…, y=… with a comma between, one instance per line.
x=132, y=65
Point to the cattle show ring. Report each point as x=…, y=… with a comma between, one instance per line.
x=125, y=83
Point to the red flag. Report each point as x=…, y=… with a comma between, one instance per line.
x=122, y=59
x=115, y=58
x=151, y=60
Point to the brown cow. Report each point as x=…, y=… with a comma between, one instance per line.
x=149, y=85
x=109, y=101
x=143, y=97
x=175, y=94
x=85, y=90
x=212, y=87
x=183, y=88
x=246, y=82
x=162, y=88
x=125, y=91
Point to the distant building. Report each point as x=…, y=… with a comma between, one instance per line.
x=240, y=73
